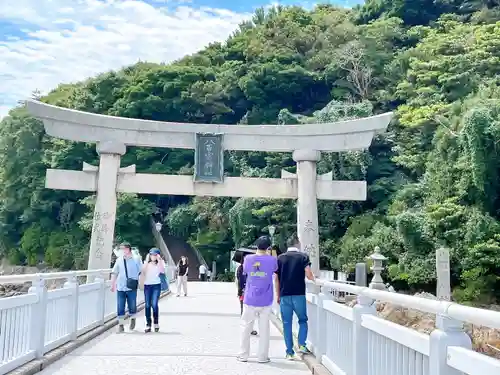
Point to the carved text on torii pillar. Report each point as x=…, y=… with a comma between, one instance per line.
x=310, y=250
x=100, y=228
x=309, y=226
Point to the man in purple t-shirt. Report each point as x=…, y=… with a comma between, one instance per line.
x=258, y=299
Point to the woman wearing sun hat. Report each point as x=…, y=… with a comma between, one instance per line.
x=153, y=271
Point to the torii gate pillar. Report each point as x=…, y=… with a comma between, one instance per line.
x=307, y=206
x=103, y=225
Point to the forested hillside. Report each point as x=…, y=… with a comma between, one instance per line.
x=433, y=177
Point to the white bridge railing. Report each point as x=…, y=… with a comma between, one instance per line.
x=348, y=341
x=41, y=320
x=354, y=341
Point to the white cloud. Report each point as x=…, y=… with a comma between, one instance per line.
x=70, y=40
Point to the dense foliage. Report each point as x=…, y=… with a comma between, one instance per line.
x=433, y=177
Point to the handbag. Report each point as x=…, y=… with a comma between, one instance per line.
x=132, y=284
x=164, y=282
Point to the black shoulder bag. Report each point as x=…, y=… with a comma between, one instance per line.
x=132, y=284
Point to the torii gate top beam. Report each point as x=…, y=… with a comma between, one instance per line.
x=89, y=127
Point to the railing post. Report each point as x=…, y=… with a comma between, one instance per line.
x=313, y=322
x=448, y=332
x=364, y=306
x=101, y=307
x=72, y=283
x=38, y=317
x=320, y=345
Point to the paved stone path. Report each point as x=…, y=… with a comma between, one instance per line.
x=199, y=336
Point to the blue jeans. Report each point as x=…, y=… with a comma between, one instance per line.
x=129, y=297
x=288, y=306
x=151, y=298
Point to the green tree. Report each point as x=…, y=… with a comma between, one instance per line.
x=432, y=178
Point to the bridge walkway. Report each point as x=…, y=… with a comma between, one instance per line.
x=199, y=335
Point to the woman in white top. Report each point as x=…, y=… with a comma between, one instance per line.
x=151, y=270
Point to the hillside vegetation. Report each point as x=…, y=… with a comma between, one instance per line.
x=433, y=178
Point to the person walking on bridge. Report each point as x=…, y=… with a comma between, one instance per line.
x=182, y=275
x=241, y=280
x=203, y=272
x=259, y=269
x=152, y=272
x=125, y=281
x=293, y=267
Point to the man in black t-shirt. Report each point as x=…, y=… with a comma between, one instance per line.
x=293, y=267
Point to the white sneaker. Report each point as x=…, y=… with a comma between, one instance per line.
x=266, y=360
x=241, y=359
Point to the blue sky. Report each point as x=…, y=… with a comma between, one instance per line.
x=47, y=42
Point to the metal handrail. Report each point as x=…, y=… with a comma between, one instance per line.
x=13, y=279
x=201, y=260
x=453, y=310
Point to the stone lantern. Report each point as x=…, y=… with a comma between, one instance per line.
x=377, y=268
x=272, y=231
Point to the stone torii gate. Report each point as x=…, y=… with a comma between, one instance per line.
x=113, y=134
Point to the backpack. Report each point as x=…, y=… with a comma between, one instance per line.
x=242, y=280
